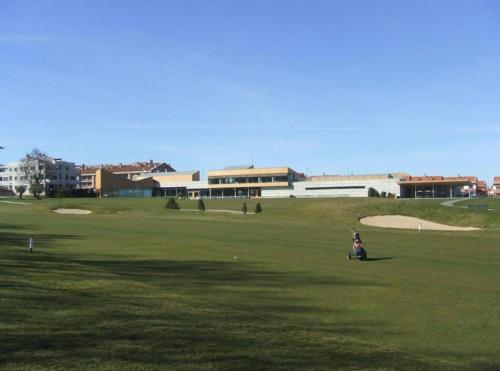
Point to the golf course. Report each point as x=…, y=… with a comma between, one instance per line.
x=135, y=286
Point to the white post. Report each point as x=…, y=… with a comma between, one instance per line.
x=31, y=243
x=451, y=191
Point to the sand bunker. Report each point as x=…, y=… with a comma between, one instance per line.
x=408, y=222
x=72, y=211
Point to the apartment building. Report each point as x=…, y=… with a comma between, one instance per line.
x=58, y=174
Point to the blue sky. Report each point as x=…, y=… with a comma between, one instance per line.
x=321, y=86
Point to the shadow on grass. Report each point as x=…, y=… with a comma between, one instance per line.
x=376, y=259
x=176, y=315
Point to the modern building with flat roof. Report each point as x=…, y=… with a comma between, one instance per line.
x=178, y=184
x=108, y=184
x=249, y=181
x=340, y=186
x=160, y=179
x=437, y=186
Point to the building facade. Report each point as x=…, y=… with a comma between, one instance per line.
x=132, y=171
x=495, y=188
x=438, y=186
x=339, y=186
x=57, y=174
x=249, y=182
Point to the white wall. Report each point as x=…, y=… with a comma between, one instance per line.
x=303, y=189
x=55, y=172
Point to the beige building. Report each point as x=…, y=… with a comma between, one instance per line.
x=108, y=184
x=248, y=181
x=128, y=171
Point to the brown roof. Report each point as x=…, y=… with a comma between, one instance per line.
x=482, y=184
x=124, y=168
x=437, y=179
x=496, y=180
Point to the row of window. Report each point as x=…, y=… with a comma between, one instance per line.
x=9, y=178
x=239, y=180
x=16, y=169
x=21, y=178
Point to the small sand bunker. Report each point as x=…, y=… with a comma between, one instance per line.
x=408, y=222
x=72, y=211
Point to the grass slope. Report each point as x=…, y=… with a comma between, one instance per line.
x=135, y=286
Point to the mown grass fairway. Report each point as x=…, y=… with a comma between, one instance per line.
x=135, y=286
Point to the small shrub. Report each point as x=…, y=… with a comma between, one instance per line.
x=383, y=194
x=172, y=204
x=292, y=196
x=258, y=208
x=244, y=209
x=21, y=189
x=391, y=195
x=372, y=192
x=201, y=205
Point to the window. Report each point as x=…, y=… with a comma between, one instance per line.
x=335, y=187
x=66, y=177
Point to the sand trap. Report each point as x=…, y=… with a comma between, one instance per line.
x=408, y=222
x=72, y=211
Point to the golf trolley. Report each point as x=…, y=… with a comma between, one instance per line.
x=358, y=249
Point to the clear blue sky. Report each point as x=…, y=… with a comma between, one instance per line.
x=320, y=86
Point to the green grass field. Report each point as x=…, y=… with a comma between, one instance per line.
x=136, y=286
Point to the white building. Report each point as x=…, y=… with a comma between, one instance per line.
x=339, y=186
x=58, y=174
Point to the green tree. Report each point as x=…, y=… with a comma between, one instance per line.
x=258, y=208
x=244, y=209
x=372, y=192
x=172, y=204
x=201, y=205
x=33, y=165
x=36, y=190
x=20, y=189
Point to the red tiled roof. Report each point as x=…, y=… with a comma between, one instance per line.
x=496, y=180
x=430, y=178
x=124, y=168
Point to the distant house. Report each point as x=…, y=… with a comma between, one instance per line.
x=482, y=188
x=128, y=171
x=495, y=189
